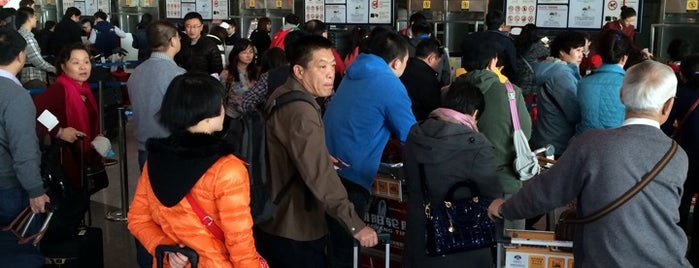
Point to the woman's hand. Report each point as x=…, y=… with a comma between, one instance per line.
x=177, y=260
x=494, y=209
x=70, y=134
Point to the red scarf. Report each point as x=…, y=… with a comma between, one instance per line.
x=78, y=111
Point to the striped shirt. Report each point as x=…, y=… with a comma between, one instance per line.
x=35, y=67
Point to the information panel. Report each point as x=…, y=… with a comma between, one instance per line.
x=574, y=14
x=520, y=12
x=584, y=14
x=552, y=16
x=350, y=11
x=209, y=9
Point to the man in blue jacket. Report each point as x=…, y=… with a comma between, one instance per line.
x=370, y=104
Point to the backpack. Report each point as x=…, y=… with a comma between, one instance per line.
x=107, y=40
x=247, y=134
x=279, y=36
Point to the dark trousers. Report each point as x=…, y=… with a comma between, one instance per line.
x=340, y=240
x=282, y=252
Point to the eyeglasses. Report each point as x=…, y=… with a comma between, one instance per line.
x=193, y=26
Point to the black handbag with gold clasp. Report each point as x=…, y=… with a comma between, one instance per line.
x=453, y=226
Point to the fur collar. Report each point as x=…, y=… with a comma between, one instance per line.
x=177, y=162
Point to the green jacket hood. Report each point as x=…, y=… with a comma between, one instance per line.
x=483, y=78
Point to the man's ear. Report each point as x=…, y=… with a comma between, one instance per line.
x=22, y=57
x=298, y=71
x=667, y=107
x=395, y=63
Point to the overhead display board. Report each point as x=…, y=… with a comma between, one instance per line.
x=563, y=14
x=88, y=7
x=209, y=9
x=350, y=11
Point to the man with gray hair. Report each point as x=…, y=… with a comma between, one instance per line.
x=601, y=165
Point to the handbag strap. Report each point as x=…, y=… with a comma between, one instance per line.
x=423, y=183
x=529, y=66
x=205, y=219
x=684, y=119
x=513, y=105
x=631, y=192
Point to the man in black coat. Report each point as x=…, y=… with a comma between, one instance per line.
x=495, y=20
x=198, y=52
x=67, y=31
x=420, y=78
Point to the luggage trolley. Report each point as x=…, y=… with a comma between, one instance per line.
x=521, y=248
x=387, y=210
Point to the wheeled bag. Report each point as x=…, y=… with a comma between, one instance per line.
x=84, y=249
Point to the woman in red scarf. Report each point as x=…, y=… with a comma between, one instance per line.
x=71, y=100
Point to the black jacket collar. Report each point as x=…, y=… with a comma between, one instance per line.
x=177, y=162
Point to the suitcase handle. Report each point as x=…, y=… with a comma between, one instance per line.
x=383, y=238
x=190, y=253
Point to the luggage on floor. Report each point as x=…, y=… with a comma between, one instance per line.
x=190, y=253
x=19, y=240
x=385, y=239
x=84, y=249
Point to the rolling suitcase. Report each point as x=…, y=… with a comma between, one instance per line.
x=190, y=253
x=19, y=240
x=83, y=246
x=82, y=250
x=383, y=238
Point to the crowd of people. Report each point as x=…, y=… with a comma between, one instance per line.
x=608, y=108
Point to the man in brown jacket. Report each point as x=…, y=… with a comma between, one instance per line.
x=298, y=157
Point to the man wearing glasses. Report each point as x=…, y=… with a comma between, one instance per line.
x=198, y=52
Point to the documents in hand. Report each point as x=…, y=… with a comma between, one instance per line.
x=47, y=119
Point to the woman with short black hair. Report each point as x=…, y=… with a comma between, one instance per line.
x=193, y=172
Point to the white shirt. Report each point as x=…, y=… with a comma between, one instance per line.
x=8, y=75
x=641, y=121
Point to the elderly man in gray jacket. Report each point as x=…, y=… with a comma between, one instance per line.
x=601, y=165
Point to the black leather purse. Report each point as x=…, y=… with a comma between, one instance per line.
x=454, y=226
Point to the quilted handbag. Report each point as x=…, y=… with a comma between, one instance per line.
x=454, y=226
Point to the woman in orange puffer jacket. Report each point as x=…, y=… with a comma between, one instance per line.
x=193, y=161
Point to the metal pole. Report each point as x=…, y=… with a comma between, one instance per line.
x=100, y=109
x=120, y=215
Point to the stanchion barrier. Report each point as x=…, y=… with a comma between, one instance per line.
x=100, y=105
x=39, y=90
x=120, y=215
x=115, y=64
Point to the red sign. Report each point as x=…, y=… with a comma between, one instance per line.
x=389, y=216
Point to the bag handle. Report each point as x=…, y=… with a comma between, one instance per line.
x=684, y=119
x=630, y=193
x=205, y=219
x=462, y=184
x=513, y=105
x=21, y=224
x=450, y=194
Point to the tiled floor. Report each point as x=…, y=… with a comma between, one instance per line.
x=119, y=248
